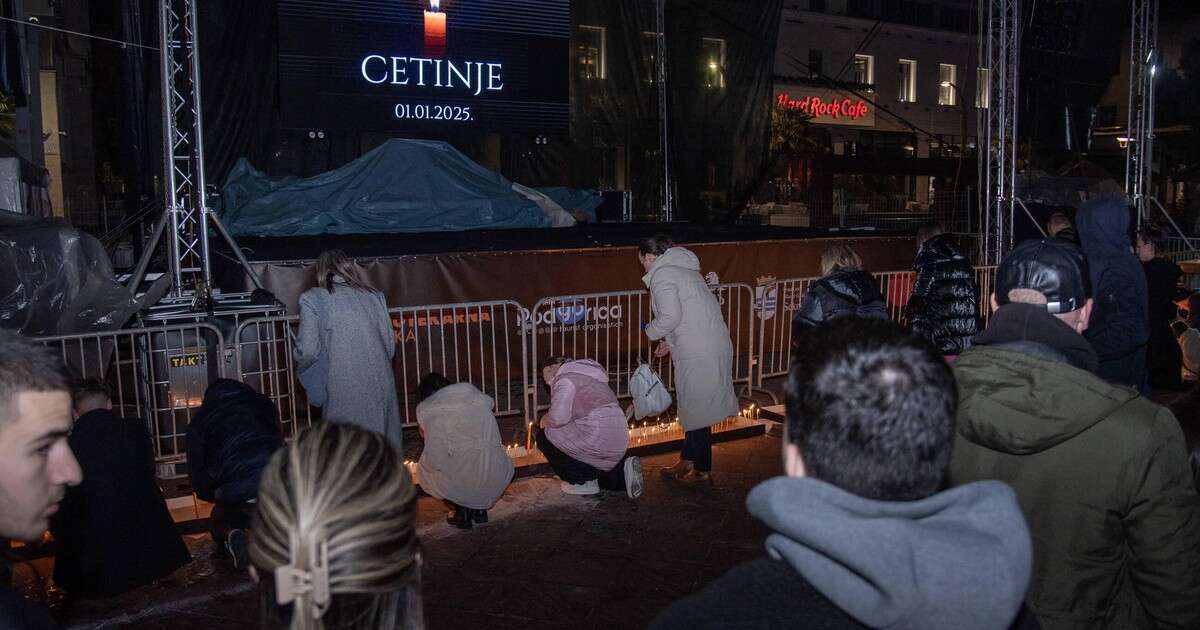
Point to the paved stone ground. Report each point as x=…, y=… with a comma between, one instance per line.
x=546, y=560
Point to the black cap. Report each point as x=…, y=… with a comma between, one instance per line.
x=1053, y=267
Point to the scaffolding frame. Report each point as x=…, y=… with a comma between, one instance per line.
x=186, y=214
x=1143, y=65
x=1000, y=55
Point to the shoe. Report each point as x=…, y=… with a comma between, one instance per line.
x=235, y=544
x=678, y=468
x=695, y=477
x=458, y=516
x=586, y=488
x=479, y=516
x=634, y=484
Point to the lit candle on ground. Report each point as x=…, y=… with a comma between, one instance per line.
x=435, y=29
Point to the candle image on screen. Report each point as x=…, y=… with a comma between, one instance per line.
x=435, y=29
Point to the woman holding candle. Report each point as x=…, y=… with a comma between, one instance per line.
x=688, y=326
x=584, y=434
x=463, y=462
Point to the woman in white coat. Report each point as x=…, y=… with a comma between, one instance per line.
x=463, y=463
x=687, y=318
x=345, y=347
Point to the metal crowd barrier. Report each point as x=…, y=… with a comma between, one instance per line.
x=161, y=373
x=157, y=374
x=607, y=327
x=481, y=343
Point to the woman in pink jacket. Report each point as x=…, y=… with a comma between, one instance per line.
x=584, y=434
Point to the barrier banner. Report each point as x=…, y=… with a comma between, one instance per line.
x=527, y=276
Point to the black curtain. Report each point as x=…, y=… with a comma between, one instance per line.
x=239, y=80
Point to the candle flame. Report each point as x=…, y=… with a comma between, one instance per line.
x=435, y=5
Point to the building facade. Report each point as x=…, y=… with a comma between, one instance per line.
x=890, y=91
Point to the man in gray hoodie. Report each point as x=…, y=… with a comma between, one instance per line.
x=864, y=534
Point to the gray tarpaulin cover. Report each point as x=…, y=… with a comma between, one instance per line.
x=401, y=186
x=57, y=280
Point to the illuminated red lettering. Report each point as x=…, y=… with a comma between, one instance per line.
x=817, y=108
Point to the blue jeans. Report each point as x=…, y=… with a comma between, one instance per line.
x=697, y=448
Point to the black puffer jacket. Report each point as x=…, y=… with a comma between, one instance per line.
x=839, y=294
x=944, y=305
x=230, y=441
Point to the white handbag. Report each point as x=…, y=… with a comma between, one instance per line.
x=650, y=395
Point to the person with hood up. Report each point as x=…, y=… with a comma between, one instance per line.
x=943, y=307
x=1119, y=327
x=584, y=434
x=229, y=442
x=113, y=532
x=844, y=290
x=863, y=531
x=345, y=347
x=1100, y=472
x=688, y=321
x=1164, y=361
x=463, y=462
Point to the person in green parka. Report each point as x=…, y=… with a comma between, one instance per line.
x=1101, y=473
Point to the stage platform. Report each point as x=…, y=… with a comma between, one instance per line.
x=527, y=265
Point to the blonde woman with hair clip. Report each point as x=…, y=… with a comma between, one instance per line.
x=335, y=545
x=345, y=347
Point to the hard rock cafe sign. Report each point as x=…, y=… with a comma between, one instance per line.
x=827, y=107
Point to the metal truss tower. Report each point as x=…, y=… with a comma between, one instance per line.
x=1139, y=146
x=186, y=216
x=1000, y=55
x=183, y=147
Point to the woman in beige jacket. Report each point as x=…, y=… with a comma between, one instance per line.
x=687, y=320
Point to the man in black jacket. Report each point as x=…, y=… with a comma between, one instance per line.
x=113, y=532
x=944, y=306
x=863, y=533
x=229, y=442
x=1120, y=325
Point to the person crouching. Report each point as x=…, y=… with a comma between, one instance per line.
x=463, y=463
x=584, y=434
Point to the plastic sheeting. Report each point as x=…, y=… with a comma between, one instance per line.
x=57, y=280
x=401, y=186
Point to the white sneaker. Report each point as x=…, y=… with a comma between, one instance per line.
x=633, y=477
x=582, y=489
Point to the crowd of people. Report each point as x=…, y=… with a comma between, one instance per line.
x=935, y=476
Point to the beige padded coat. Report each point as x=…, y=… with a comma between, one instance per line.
x=688, y=316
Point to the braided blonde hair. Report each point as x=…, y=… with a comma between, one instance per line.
x=344, y=491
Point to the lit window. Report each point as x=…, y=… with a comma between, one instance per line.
x=714, y=62
x=946, y=84
x=591, y=53
x=908, y=81
x=816, y=63
x=983, y=87
x=649, y=57
x=864, y=69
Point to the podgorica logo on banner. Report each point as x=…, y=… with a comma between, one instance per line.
x=766, y=294
x=573, y=316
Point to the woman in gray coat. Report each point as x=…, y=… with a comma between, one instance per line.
x=688, y=319
x=345, y=347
